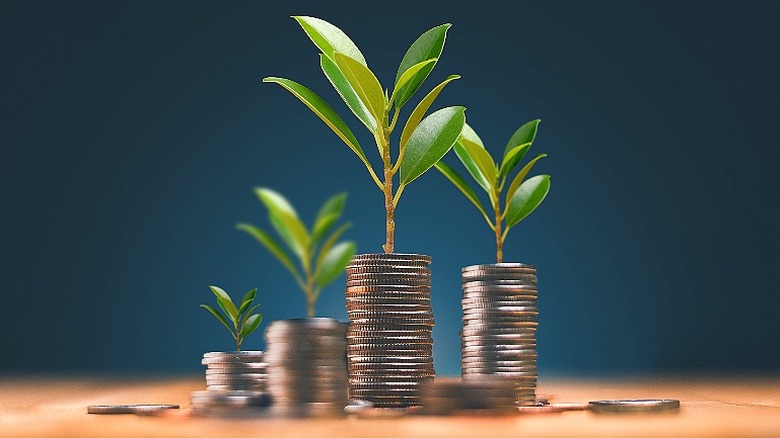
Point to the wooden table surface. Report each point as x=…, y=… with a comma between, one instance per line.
x=723, y=407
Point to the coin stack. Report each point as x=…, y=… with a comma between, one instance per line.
x=489, y=394
x=499, y=325
x=307, y=368
x=390, y=349
x=233, y=379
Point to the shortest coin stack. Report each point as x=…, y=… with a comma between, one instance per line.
x=233, y=379
x=489, y=395
x=307, y=366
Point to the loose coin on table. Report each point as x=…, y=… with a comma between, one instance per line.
x=638, y=405
x=143, y=408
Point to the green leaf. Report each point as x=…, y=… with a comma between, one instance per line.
x=218, y=316
x=224, y=301
x=432, y=139
x=512, y=158
x=335, y=262
x=524, y=134
x=285, y=220
x=335, y=236
x=329, y=38
x=251, y=324
x=460, y=183
x=470, y=134
x=478, y=162
x=365, y=84
x=248, y=313
x=410, y=74
x=247, y=300
x=427, y=46
x=271, y=245
x=528, y=196
x=333, y=206
x=422, y=107
x=324, y=112
x=322, y=226
x=520, y=177
x=347, y=93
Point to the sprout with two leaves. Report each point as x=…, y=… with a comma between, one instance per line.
x=243, y=321
x=423, y=140
x=321, y=259
x=522, y=196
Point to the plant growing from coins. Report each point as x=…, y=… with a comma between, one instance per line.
x=423, y=140
x=242, y=322
x=322, y=258
x=522, y=195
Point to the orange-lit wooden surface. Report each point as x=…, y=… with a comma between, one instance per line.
x=728, y=407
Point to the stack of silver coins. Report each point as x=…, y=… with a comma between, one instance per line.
x=307, y=367
x=390, y=348
x=499, y=325
x=489, y=395
x=233, y=379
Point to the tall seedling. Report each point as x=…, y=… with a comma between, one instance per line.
x=424, y=139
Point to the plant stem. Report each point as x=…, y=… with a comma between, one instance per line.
x=499, y=237
x=389, y=245
x=311, y=297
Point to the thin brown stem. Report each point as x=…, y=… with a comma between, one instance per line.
x=499, y=236
x=389, y=245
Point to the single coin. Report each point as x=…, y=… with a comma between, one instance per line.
x=128, y=409
x=636, y=405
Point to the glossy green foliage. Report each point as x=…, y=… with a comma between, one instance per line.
x=376, y=107
x=321, y=257
x=239, y=320
x=523, y=194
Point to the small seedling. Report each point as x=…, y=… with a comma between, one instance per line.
x=241, y=318
x=522, y=196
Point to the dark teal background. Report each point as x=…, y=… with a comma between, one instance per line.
x=133, y=132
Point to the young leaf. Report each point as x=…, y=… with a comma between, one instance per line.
x=528, y=196
x=478, y=162
x=271, y=245
x=513, y=156
x=247, y=300
x=329, y=38
x=334, y=262
x=284, y=218
x=470, y=134
x=324, y=112
x=334, y=237
x=422, y=107
x=524, y=134
x=520, y=177
x=460, y=183
x=334, y=205
x=248, y=314
x=224, y=301
x=411, y=73
x=218, y=316
x=322, y=226
x=251, y=324
x=427, y=46
x=347, y=93
x=365, y=85
x=432, y=139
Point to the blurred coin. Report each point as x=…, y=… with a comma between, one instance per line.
x=127, y=409
x=638, y=405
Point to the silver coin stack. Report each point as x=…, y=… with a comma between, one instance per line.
x=307, y=367
x=390, y=349
x=499, y=325
x=233, y=379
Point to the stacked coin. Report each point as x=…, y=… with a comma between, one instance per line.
x=234, y=378
x=307, y=368
x=499, y=325
x=489, y=394
x=390, y=349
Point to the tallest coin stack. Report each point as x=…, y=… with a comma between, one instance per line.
x=389, y=344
